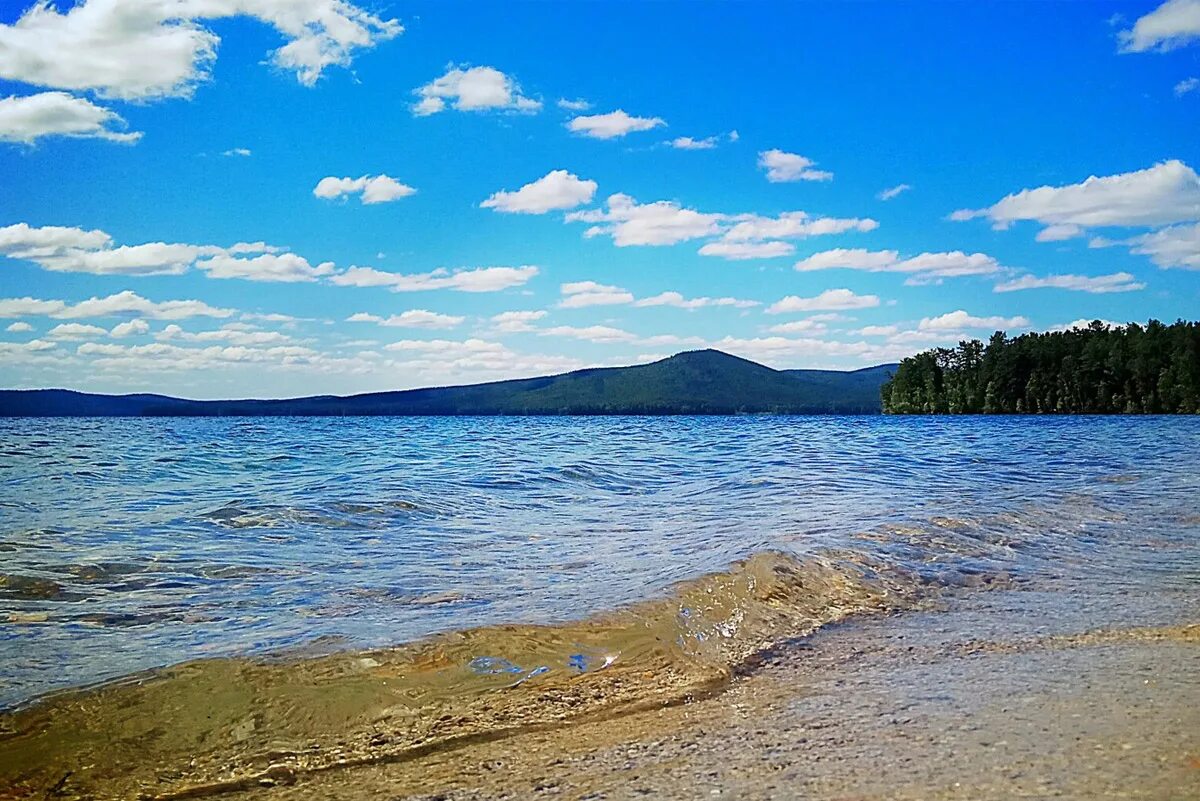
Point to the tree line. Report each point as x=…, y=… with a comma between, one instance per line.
x=1101, y=369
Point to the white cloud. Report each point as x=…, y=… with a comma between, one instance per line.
x=1084, y=323
x=1099, y=284
x=144, y=49
x=75, y=331
x=877, y=330
x=23, y=241
x=555, y=190
x=612, y=125
x=742, y=251
x=679, y=301
x=580, y=294
x=661, y=223
x=781, y=351
x=829, y=300
x=27, y=119
x=1175, y=246
x=121, y=303
x=237, y=151
x=372, y=188
x=783, y=167
x=895, y=191
x=794, y=225
x=482, y=279
x=129, y=328
x=688, y=143
x=1187, y=85
x=1168, y=192
x=61, y=249
x=573, y=105
x=413, y=318
x=922, y=268
x=516, y=322
x=272, y=267
x=472, y=89
x=1059, y=233
x=230, y=334
x=958, y=320
x=806, y=326
x=1173, y=24
x=591, y=333
x=19, y=328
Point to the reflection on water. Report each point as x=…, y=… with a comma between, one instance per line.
x=130, y=544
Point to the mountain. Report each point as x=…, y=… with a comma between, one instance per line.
x=695, y=382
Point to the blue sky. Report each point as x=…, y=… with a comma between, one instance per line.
x=173, y=214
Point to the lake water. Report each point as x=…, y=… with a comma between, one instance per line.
x=127, y=543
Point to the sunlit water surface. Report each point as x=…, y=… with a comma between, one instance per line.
x=127, y=544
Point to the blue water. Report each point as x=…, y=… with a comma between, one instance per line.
x=126, y=544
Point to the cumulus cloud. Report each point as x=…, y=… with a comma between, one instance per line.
x=612, y=125
x=688, y=143
x=516, y=322
x=573, y=105
x=370, y=188
x=805, y=326
x=556, y=190
x=922, y=268
x=895, y=191
x=146, y=49
x=580, y=294
x=481, y=279
x=742, y=251
x=19, y=328
x=1097, y=285
x=1168, y=192
x=829, y=300
x=591, y=333
x=413, y=318
x=959, y=320
x=472, y=89
x=121, y=303
x=63, y=249
x=783, y=167
x=677, y=300
x=660, y=223
x=273, y=267
x=1186, y=86
x=1173, y=24
x=129, y=328
x=1175, y=246
x=756, y=237
x=237, y=151
x=75, y=331
x=27, y=119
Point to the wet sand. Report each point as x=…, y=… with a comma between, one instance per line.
x=992, y=695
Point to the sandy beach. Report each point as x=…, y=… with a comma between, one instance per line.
x=991, y=695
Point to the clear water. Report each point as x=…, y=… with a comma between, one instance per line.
x=127, y=544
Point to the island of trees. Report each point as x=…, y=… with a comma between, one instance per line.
x=1101, y=369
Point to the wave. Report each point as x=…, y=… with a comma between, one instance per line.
x=216, y=725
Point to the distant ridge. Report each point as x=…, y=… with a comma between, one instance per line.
x=693, y=382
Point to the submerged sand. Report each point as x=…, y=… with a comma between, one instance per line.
x=996, y=695
x=1073, y=691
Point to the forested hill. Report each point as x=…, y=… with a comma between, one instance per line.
x=696, y=382
x=1133, y=369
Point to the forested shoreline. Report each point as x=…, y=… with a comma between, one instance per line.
x=1101, y=369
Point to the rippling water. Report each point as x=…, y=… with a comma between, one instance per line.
x=127, y=544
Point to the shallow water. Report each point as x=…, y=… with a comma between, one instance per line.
x=128, y=544
x=291, y=572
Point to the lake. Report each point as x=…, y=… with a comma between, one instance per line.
x=134, y=543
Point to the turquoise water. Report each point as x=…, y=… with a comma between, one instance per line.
x=127, y=543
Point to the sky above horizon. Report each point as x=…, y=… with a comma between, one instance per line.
x=236, y=198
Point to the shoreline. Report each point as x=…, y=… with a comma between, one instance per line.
x=999, y=694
